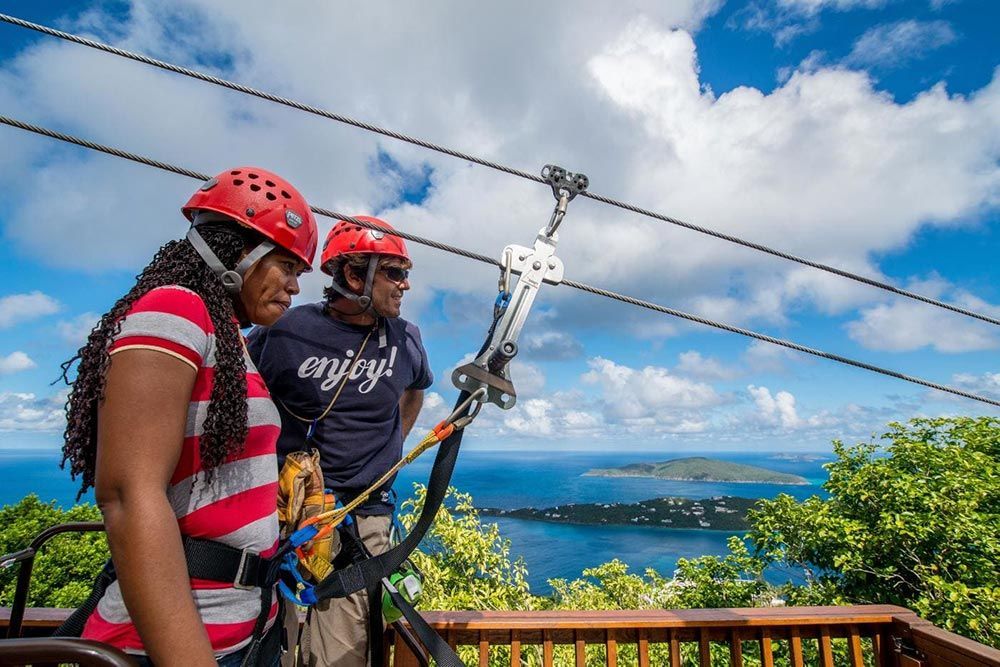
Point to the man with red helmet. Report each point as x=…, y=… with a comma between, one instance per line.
x=349, y=375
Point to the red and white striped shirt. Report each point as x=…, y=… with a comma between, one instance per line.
x=238, y=507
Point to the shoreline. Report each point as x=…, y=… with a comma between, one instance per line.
x=691, y=479
x=610, y=525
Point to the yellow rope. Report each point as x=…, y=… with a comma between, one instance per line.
x=337, y=515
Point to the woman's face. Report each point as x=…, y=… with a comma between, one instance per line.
x=269, y=285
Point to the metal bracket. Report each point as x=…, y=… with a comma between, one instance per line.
x=565, y=186
x=533, y=266
x=560, y=180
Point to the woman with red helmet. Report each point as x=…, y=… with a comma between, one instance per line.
x=173, y=426
x=349, y=376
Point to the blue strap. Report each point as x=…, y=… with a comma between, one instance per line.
x=306, y=596
x=302, y=535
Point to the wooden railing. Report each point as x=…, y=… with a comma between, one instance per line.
x=858, y=636
x=796, y=636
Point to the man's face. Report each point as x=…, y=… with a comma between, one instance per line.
x=390, y=283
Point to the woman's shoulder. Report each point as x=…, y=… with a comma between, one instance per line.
x=173, y=300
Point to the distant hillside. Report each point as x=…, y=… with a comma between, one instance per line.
x=699, y=469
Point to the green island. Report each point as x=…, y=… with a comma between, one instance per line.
x=699, y=469
x=717, y=513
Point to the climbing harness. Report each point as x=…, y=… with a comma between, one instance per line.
x=212, y=561
x=491, y=368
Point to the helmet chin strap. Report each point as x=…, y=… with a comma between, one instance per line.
x=232, y=279
x=364, y=300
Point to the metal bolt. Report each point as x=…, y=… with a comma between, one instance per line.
x=552, y=264
x=537, y=265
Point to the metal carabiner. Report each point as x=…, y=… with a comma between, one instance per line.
x=464, y=405
x=503, y=285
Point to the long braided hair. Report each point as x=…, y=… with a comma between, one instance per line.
x=175, y=263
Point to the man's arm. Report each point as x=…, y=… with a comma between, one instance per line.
x=409, y=407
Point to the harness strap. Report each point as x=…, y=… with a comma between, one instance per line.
x=215, y=561
x=361, y=576
x=73, y=626
x=206, y=559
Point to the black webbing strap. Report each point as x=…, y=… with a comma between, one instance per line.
x=214, y=561
x=206, y=559
x=73, y=626
x=253, y=654
x=361, y=576
x=444, y=655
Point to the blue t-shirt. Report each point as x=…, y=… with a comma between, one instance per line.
x=304, y=358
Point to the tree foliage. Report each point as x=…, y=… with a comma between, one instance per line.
x=914, y=523
x=65, y=567
x=466, y=563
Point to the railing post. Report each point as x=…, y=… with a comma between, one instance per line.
x=403, y=655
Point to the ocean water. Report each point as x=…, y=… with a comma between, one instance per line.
x=512, y=479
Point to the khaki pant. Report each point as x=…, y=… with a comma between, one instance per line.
x=336, y=634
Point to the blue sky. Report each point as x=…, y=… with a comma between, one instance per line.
x=859, y=133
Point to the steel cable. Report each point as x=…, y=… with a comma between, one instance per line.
x=487, y=260
x=208, y=78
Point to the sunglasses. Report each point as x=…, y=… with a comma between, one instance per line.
x=394, y=273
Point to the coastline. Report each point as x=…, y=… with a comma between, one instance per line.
x=607, y=525
x=692, y=479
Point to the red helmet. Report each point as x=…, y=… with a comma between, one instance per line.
x=264, y=202
x=348, y=238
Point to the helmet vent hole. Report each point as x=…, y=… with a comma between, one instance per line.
x=254, y=186
x=357, y=229
x=235, y=173
x=269, y=184
x=270, y=196
x=237, y=181
x=252, y=176
x=285, y=195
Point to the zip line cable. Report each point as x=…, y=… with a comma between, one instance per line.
x=277, y=99
x=488, y=260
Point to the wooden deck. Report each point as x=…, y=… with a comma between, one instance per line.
x=858, y=636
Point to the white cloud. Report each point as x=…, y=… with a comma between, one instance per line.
x=986, y=384
x=628, y=81
x=532, y=418
x=895, y=44
x=810, y=7
x=15, y=362
x=76, y=330
x=20, y=308
x=27, y=412
x=904, y=325
x=761, y=357
x=780, y=410
x=552, y=346
x=692, y=363
x=788, y=19
x=650, y=396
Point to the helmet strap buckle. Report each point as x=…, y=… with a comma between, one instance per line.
x=232, y=279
